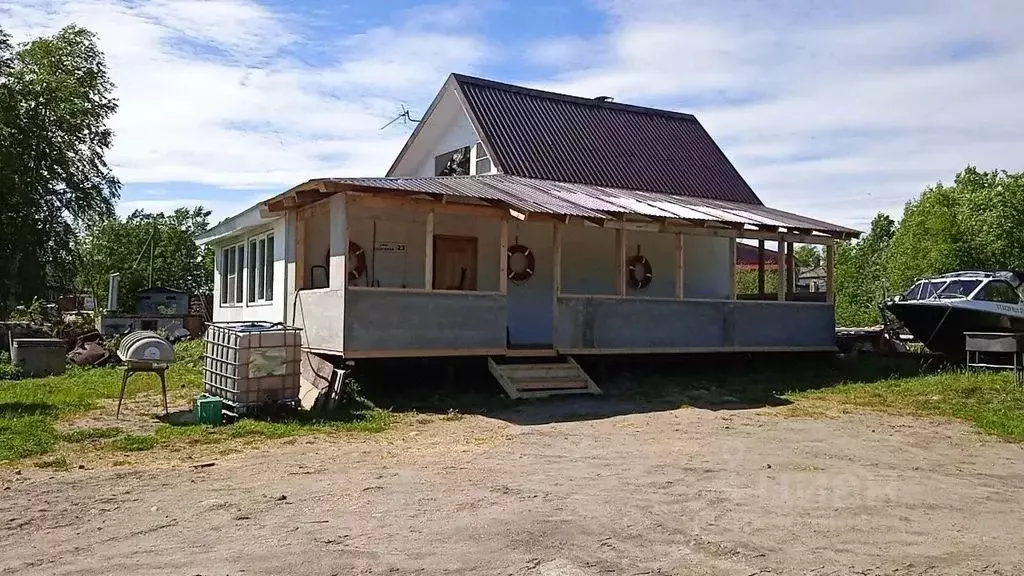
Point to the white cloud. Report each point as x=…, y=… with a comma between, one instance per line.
x=837, y=111
x=211, y=92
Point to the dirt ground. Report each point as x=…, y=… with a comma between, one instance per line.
x=555, y=488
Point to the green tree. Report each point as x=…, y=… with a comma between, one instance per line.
x=55, y=100
x=860, y=274
x=807, y=255
x=974, y=224
x=122, y=246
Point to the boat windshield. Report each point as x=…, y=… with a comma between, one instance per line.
x=959, y=288
x=923, y=290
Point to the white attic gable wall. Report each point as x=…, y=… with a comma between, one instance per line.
x=446, y=128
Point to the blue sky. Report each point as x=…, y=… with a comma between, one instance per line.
x=832, y=109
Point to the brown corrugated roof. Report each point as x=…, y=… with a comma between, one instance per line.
x=590, y=201
x=549, y=136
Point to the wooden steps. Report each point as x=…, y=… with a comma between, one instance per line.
x=523, y=379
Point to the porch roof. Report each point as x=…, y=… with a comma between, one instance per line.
x=592, y=202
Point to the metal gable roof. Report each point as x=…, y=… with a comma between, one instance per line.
x=549, y=136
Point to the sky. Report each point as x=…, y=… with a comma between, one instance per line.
x=835, y=110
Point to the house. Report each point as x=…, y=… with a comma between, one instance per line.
x=521, y=222
x=748, y=256
x=812, y=279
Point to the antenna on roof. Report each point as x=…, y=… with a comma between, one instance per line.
x=405, y=116
x=604, y=99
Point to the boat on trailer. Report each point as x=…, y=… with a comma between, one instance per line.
x=938, y=311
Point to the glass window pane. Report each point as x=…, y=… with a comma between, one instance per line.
x=251, y=271
x=270, y=268
x=240, y=262
x=260, y=264
x=483, y=166
x=480, y=152
x=224, y=276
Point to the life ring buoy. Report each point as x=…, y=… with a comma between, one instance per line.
x=355, y=251
x=519, y=276
x=643, y=280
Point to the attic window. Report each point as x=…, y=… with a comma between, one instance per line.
x=481, y=161
x=453, y=163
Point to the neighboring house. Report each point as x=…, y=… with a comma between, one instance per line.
x=747, y=256
x=812, y=279
x=515, y=219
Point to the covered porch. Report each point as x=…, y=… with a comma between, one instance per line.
x=497, y=265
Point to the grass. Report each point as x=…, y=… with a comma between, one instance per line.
x=991, y=400
x=31, y=408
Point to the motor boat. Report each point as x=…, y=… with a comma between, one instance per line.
x=938, y=311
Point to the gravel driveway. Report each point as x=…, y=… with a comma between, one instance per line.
x=686, y=491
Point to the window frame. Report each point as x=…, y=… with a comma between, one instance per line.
x=476, y=158
x=979, y=296
x=231, y=293
x=259, y=249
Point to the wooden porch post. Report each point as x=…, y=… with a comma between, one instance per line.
x=732, y=268
x=760, y=269
x=300, y=250
x=781, y=257
x=503, y=257
x=428, y=259
x=338, y=277
x=620, y=261
x=830, y=272
x=556, y=261
x=791, y=269
x=680, y=255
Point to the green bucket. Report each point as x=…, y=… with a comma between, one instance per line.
x=206, y=409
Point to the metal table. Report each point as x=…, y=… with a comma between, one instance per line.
x=984, y=348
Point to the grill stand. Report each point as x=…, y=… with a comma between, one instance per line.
x=135, y=368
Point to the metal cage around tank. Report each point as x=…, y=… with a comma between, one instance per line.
x=252, y=364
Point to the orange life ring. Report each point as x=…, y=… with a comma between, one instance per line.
x=531, y=262
x=356, y=251
x=640, y=261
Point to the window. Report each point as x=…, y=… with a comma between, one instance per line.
x=232, y=263
x=453, y=163
x=959, y=288
x=999, y=291
x=914, y=293
x=261, y=268
x=481, y=162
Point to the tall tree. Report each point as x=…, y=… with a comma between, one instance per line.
x=123, y=246
x=55, y=100
x=860, y=274
x=807, y=255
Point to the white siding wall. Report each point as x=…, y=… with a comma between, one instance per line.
x=706, y=272
x=447, y=128
x=273, y=311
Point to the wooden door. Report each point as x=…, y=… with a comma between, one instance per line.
x=454, y=263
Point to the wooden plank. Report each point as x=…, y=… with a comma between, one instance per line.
x=421, y=352
x=732, y=268
x=782, y=268
x=427, y=205
x=620, y=261
x=495, y=371
x=696, y=350
x=428, y=262
x=300, y=251
x=791, y=269
x=591, y=386
x=760, y=267
x=503, y=257
x=549, y=385
x=680, y=265
x=830, y=273
x=557, y=259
